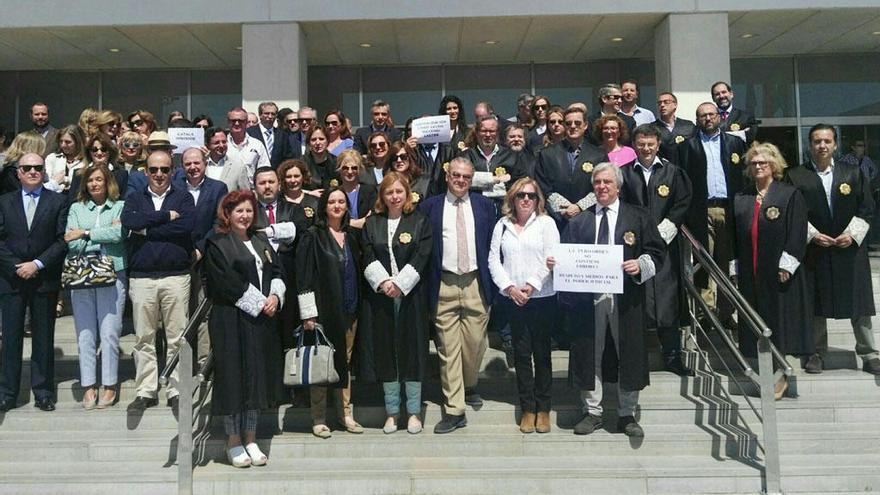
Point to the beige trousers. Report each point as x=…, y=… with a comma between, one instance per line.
x=721, y=249
x=318, y=394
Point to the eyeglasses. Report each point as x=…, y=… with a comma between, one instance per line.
x=237, y=121
x=30, y=168
x=556, y=122
x=456, y=175
x=526, y=195
x=574, y=123
x=349, y=168
x=290, y=121
x=400, y=158
x=303, y=121
x=97, y=150
x=760, y=163
x=540, y=107
x=331, y=123
x=129, y=145
x=379, y=145
x=156, y=170
x=612, y=97
x=136, y=123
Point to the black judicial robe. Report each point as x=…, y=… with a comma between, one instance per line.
x=841, y=277
x=303, y=216
x=670, y=140
x=247, y=351
x=505, y=158
x=320, y=279
x=395, y=348
x=554, y=175
x=666, y=196
x=632, y=368
x=787, y=308
x=320, y=173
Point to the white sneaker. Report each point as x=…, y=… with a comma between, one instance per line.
x=258, y=458
x=238, y=457
x=390, y=425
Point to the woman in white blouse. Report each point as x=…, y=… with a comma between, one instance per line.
x=60, y=166
x=522, y=241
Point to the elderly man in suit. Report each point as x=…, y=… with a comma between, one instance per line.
x=713, y=160
x=32, y=249
x=609, y=329
x=733, y=119
x=280, y=145
x=460, y=288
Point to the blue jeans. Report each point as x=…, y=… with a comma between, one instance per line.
x=392, y=397
x=96, y=312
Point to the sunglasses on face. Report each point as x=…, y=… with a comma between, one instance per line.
x=136, y=123
x=526, y=195
x=378, y=145
x=156, y=170
x=331, y=123
x=97, y=150
x=540, y=107
x=290, y=121
x=304, y=121
x=130, y=145
x=400, y=158
x=456, y=175
x=237, y=121
x=612, y=97
x=31, y=168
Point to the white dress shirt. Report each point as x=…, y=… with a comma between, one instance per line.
x=251, y=153
x=158, y=199
x=450, y=234
x=525, y=254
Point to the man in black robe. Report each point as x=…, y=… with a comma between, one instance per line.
x=609, y=329
x=735, y=120
x=665, y=190
x=673, y=130
x=840, y=209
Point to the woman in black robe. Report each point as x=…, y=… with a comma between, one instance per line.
x=244, y=282
x=321, y=163
x=771, y=239
x=328, y=283
x=394, y=321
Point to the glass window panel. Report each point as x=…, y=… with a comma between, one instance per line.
x=214, y=92
x=156, y=91
x=7, y=101
x=839, y=85
x=785, y=138
x=764, y=86
x=334, y=87
x=66, y=94
x=643, y=73
x=568, y=83
x=411, y=91
x=498, y=84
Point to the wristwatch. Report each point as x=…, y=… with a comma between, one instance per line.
x=88, y=234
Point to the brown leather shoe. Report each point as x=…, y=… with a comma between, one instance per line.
x=543, y=423
x=527, y=423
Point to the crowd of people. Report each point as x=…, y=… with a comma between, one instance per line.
x=381, y=243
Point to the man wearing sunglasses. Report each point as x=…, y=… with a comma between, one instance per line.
x=610, y=99
x=32, y=249
x=161, y=219
x=246, y=149
x=380, y=113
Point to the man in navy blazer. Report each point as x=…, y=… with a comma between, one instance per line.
x=460, y=288
x=281, y=145
x=32, y=249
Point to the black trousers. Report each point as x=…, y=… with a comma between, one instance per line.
x=530, y=328
x=14, y=307
x=670, y=341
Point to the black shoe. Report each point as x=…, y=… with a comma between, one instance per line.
x=142, y=403
x=450, y=423
x=814, y=364
x=507, y=346
x=44, y=404
x=473, y=399
x=588, y=425
x=7, y=404
x=674, y=364
x=628, y=426
x=871, y=366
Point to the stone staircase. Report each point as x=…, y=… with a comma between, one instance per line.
x=697, y=441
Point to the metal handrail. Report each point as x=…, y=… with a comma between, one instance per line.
x=752, y=319
x=192, y=325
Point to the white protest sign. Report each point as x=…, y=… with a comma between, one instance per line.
x=595, y=268
x=429, y=130
x=186, y=137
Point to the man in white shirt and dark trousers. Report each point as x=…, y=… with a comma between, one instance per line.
x=609, y=329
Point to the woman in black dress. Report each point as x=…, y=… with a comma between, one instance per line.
x=244, y=282
x=321, y=163
x=328, y=283
x=771, y=240
x=403, y=162
x=394, y=321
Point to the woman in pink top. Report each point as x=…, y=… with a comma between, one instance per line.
x=610, y=131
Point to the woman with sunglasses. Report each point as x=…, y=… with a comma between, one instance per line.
x=142, y=122
x=361, y=197
x=132, y=155
x=321, y=163
x=378, y=156
x=100, y=152
x=403, y=162
x=61, y=166
x=107, y=124
x=555, y=129
x=539, y=109
x=522, y=242
x=338, y=134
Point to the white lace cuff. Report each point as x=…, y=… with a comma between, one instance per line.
x=252, y=301
x=647, y=270
x=788, y=263
x=284, y=231
x=308, y=308
x=483, y=180
x=811, y=232
x=278, y=288
x=740, y=134
x=668, y=230
x=558, y=202
x=733, y=268
x=587, y=201
x=375, y=274
x=406, y=279
x=858, y=229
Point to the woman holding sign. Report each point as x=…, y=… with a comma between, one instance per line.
x=522, y=241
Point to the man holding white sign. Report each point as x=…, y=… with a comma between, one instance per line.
x=610, y=343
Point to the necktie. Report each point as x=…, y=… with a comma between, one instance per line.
x=573, y=158
x=31, y=209
x=724, y=115
x=461, y=238
x=270, y=211
x=270, y=140
x=603, y=227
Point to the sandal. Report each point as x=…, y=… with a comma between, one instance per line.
x=321, y=431
x=414, y=426
x=352, y=426
x=390, y=425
